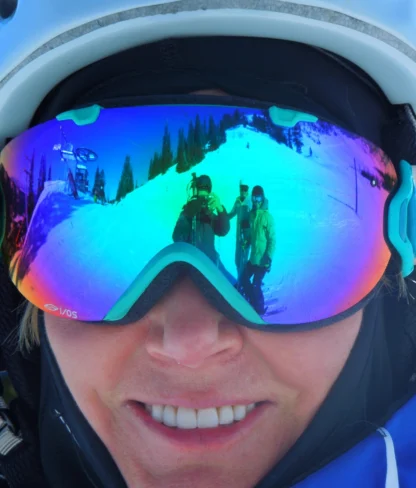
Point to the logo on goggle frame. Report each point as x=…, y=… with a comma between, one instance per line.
x=62, y=311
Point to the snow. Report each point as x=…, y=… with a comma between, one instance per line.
x=320, y=232
x=50, y=188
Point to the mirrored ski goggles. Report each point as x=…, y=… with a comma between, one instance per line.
x=283, y=213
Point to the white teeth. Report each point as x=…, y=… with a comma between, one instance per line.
x=240, y=412
x=169, y=416
x=204, y=418
x=157, y=413
x=226, y=415
x=186, y=418
x=207, y=418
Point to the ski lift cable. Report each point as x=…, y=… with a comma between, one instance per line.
x=63, y=134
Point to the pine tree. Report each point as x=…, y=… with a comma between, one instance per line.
x=198, y=141
x=157, y=164
x=126, y=183
x=99, y=184
x=289, y=137
x=279, y=134
x=130, y=176
x=204, y=134
x=228, y=121
x=259, y=123
x=213, y=134
x=237, y=117
x=30, y=192
x=190, y=143
x=222, y=135
x=102, y=185
x=102, y=177
x=50, y=173
x=182, y=164
x=121, y=185
x=96, y=181
x=167, y=155
x=42, y=176
x=297, y=138
x=151, y=172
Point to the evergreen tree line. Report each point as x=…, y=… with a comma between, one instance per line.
x=199, y=139
x=290, y=136
x=15, y=199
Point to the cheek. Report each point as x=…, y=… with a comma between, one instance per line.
x=311, y=361
x=92, y=358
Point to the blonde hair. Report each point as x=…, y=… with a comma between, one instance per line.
x=29, y=324
x=29, y=328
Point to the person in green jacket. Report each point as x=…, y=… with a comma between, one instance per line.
x=241, y=210
x=262, y=240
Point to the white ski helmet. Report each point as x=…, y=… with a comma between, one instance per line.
x=43, y=42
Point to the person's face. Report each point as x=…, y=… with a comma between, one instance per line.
x=243, y=194
x=202, y=193
x=256, y=200
x=185, y=353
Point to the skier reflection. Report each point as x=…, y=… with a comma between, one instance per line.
x=241, y=209
x=263, y=242
x=202, y=218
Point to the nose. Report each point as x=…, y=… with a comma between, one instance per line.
x=187, y=330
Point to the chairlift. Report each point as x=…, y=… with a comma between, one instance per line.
x=80, y=154
x=85, y=155
x=67, y=152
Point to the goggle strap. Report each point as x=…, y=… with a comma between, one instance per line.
x=412, y=217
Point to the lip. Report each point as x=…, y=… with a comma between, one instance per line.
x=194, y=439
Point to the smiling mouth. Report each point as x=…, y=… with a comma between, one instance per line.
x=194, y=418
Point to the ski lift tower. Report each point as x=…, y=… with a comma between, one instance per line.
x=76, y=168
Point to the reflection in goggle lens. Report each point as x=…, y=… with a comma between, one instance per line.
x=289, y=218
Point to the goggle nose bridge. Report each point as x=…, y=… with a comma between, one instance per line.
x=181, y=252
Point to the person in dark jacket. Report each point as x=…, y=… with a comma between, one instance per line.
x=202, y=218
